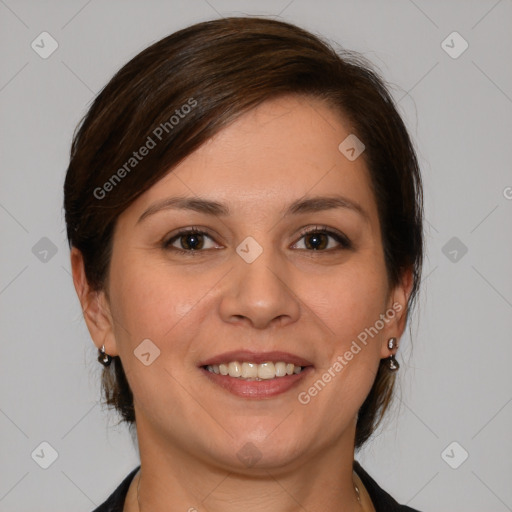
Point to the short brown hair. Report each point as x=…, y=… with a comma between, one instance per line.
x=227, y=67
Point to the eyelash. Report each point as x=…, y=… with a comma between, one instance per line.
x=344, y=242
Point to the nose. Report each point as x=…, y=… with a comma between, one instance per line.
x=260, y=293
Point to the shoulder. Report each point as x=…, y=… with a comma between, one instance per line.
x=382, y=501
x=115, y=502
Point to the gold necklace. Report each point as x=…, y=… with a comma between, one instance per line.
x=357, y=493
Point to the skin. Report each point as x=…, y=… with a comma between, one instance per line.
x=293, y=298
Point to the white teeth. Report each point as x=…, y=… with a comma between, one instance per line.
x=280, y=369
x=266, y=371
x=249, y=370
x=253, y=371
x=235, y=369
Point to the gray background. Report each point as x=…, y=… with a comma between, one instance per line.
x=455, y=380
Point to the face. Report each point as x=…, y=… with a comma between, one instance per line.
x=284, y=264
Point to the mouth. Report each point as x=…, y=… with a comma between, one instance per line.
x=251, y=371
x=256, y=375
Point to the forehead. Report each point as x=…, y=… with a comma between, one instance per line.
x=282, y=150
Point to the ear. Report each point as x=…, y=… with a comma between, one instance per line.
x=398, y=304
x=95, y=306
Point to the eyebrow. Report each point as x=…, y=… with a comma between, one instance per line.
x=300, y=206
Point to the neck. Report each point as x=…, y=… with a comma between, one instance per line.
x=172, y=478
x=175, y=477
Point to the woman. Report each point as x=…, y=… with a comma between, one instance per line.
x=244, y=212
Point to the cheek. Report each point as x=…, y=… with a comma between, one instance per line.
x=155, y=301
x=351, y=299
x=351, y=308
x=350, y=303
x=150, y=301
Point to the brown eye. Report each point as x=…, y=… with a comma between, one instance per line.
x=317, y=239
x=192, y=241
x=189, y=241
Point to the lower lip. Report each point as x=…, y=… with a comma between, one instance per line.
x=257, y=388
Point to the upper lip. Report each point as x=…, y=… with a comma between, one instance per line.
x=256, y=357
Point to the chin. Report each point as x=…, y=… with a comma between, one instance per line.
x=262, y=448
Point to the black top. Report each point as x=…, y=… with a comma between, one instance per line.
x=382, y=501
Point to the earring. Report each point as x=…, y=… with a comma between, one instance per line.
x=103, y=357
x=393, y=365
x=392, y=343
